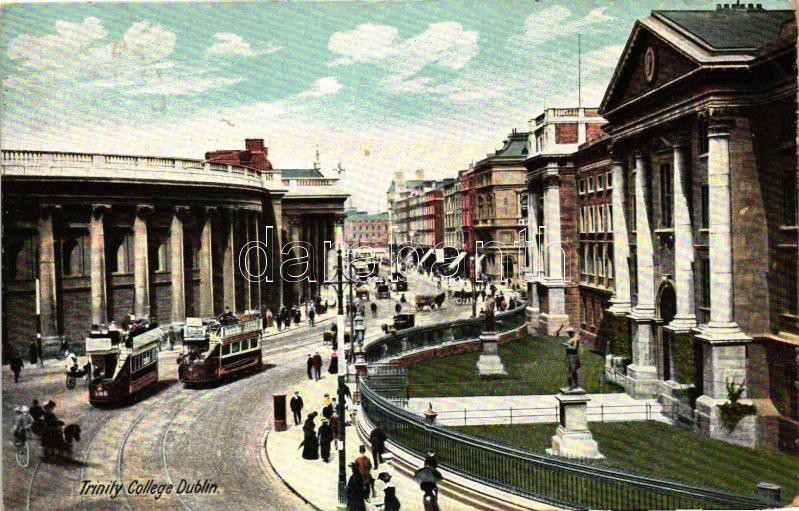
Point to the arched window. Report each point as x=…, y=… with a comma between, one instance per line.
x=508, y=267
x=480, y=206
x=121, y=260
x=523, y=204
x=22, y=260
x=162, y=255
x=75, y=256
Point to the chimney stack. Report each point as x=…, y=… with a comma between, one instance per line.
x=254, y=144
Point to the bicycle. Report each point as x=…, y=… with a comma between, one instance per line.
x=23, y=454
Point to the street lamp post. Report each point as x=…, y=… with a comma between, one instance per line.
x=342, y=368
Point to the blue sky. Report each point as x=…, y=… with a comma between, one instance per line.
x=378, y=86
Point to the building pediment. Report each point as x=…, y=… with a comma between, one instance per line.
x=647, y=64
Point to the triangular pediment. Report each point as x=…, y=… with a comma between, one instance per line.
x=647, y=63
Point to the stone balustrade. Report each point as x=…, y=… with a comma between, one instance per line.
x=47, y=164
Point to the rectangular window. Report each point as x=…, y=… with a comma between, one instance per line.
x=704, y=191
x=253, y=343
x=601, y=211
x=704, y=296
x=789, y=198
x=225, y=349
x=584, y=265
x=609, y=180
x=600, y=270
x=609, y=271
x=701, y=133
x=582, y=220
x=581, y=187
x=590, y=184
x=235, y=347
x=609, y=217
x=590, y=259
x=600, y=182
x=666, y=195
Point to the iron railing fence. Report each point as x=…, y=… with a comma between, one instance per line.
x=557, y=481
x=412, y=339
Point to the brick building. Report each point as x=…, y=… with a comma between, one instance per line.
x=467, y=218
x=552, y=215
x=364, y=228
x=500, y=195
x=595, y=233
x=701, y=115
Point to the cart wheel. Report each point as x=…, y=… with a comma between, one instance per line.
x=23, y=454
x=70, y=382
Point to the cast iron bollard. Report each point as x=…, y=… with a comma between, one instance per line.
x=770, y=492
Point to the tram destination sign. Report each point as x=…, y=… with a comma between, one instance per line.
x=98, y=344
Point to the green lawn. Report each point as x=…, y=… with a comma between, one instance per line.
x=535, y=365
x=665, y=451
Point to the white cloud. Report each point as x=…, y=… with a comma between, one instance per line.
x=365, y=43
x=322, y=87
x=446, y=45
x=179, y=87
x=228, y=44
x=603, y=57
x=553, y=22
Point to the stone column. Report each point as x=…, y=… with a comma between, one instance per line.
x=620, y=301
x=141, y=265
x=229, y=265
x=555, y=316
x=259, y=260
x=247, y=260
x=642, y=373
x=48, y=305
x=295, y=235
x=205, y=256
x=725, y=342
x=176, y=269
x=533, y=307
x=277, y=250
x=684, y=319
x=98, y=274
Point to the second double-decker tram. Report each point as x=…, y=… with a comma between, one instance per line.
x=123, y=364
x=213, y=351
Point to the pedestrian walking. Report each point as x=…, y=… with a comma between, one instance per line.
x=297, y=315
x=388, y=490
x=36, y=410
x=16, y=366
x=317, y=366
x=33, y=353
x=325, y=439
x=171, y=337
x=64, y=347
x=373, y=306
x=287, y=320
x=296, y=405
x=309, y=422
x=39, y=351
x=310, y=445
x=398, y=308
x=327, y=407
x=334, y=424
x=269, y=317
x=311, y=317
x=365, y=469
x=378, y=440
x=402, y=298
x=309, y=367
x=355, y=491
x=333, y=369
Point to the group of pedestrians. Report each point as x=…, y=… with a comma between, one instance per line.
x=363, y=486
x=316, y=444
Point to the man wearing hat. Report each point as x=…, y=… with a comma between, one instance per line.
x=572, y=356
x=22, y=422
x=296, y=405
x=388, y=490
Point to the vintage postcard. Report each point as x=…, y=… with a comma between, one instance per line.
x=378, y=255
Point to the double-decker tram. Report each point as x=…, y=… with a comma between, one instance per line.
x=213, y=350
x=124, y=363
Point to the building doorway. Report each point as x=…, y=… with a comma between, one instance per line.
x=666, y=309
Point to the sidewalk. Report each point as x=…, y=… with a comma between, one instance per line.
x=317, y=481
x=534, y=409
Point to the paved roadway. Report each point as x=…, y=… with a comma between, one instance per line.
x=172, y=434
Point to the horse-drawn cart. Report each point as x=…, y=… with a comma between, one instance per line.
x=431, y=301
x=383, y=291
x=362, y=292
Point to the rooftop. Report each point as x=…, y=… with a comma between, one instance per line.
x=737, y=27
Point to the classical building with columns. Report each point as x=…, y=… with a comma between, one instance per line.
x=88, y=238
x=701, y=116
x=552, y=215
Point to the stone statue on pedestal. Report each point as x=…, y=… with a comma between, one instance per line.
x=572, y=358
x=489, y=312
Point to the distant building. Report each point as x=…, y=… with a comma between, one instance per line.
x=364, y=228
x=501, y=210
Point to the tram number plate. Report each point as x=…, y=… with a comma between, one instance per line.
x=143, y=381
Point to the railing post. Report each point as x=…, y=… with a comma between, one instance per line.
x=464, y=417
x=602, y=411
x=511, y=415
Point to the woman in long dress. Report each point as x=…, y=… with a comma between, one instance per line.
x=310, y=445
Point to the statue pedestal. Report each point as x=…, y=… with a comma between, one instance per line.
x=489, y=363
x=572, y=438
